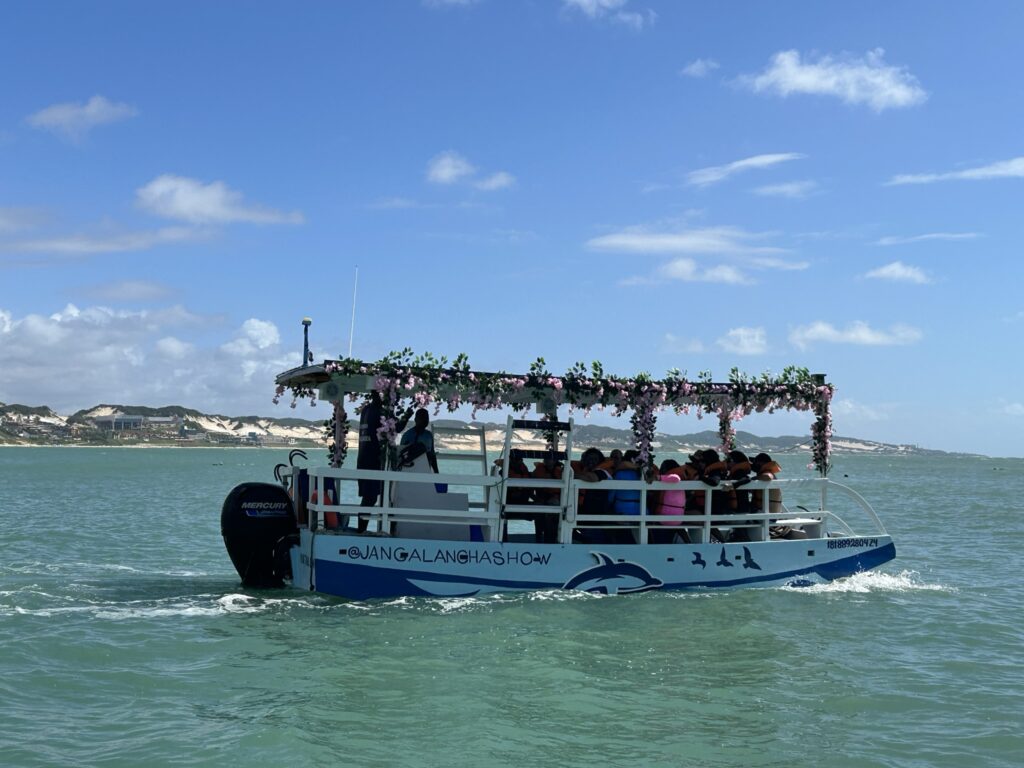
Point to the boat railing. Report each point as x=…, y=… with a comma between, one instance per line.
x=457, y=509
x=699, y=524
x=490, y=515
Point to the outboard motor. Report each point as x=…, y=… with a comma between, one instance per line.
x=255, y=522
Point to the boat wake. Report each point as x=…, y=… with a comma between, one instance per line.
x=874, y=581
x=199, y=605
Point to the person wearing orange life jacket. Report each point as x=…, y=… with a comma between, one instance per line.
x=767, y=469
x=611, y=464
x=739, y=474
x=738, y=497
x=517, y=470
x=714, y=472
x=518, y=495
x=593, y=501
x=546, y=522
x=549, y=469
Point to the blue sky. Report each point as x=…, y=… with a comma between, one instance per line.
x=650, y=184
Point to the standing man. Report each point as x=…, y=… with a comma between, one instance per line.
x=369, y=454
x=420, y=434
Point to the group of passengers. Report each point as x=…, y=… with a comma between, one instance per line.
x=706, y=466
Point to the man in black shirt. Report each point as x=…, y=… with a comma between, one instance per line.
x=369, y=453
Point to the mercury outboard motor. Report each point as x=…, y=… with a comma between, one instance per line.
x=257, y=523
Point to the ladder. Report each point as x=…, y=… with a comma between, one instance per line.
x=509, y=453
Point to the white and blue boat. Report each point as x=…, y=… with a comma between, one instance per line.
x=462, y=533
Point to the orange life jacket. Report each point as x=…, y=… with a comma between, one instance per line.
x=739, y=498
x=547, y=495
x=768, y=472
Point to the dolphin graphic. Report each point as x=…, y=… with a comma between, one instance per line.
x=611, y=578
x=698, y=560
x=748, y=560
x=723, y=560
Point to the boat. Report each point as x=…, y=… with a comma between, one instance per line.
x=466, y=533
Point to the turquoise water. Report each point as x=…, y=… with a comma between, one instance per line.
x=125, y=639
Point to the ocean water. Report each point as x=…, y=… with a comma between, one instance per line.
x=127, y=640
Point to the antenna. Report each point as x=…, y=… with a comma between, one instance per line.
x=352, y=325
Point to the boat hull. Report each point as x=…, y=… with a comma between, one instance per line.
x=369, y=567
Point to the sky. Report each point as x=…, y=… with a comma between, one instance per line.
x=652, y=184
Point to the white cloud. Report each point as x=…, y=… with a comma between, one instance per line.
x=15, y=219
x=708, y=240
x=185, y=199
x=847, y=408
x=672, y=344
x=254, y=335
x=1014, y=409
x=612, y=10
x=448, y=168
x=868, y=80
x=699, y=68
x=744, y=341
x=705, y=176
x=893, y=240
x=173, y=349
x=136, y=357
x=767, y=262
x=900, y=273
x=86, y=243
x=499, y=180
x=857, y=332
x=128, y=290
x=73, y=120
x=395, y=203
x=687, y=270
x=1004, y=169
x=792, y=189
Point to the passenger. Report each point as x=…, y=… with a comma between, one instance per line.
x=622, y=501
x=547, y=523
x=738, y=498
x=611, y=464
x=592, y=501
x=714, y=472
x=517, y=470
x=692, y=470
x=420, y=434
x=549, y=469
x=652, y=473
x=739, y=474
x=671, y=503
x=767, y=469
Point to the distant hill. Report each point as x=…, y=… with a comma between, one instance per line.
x=22, y=424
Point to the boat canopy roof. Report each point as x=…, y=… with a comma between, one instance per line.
x=402, y=379
x=430, y=379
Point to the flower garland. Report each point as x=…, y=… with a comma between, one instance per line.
x=337, y=442
x=404, y=380
x=726, y=431
x=821, y=432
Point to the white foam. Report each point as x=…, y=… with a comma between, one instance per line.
x=874, y=581
x=192, y=605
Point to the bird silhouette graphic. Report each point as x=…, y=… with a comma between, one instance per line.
x=698, y=560
x=748, y=560
x=723, y=560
